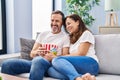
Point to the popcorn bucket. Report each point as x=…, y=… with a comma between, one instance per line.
x=51, y=47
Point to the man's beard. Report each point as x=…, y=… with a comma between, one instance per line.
x=55, y=29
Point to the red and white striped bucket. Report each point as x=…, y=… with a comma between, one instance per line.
x=49, y=46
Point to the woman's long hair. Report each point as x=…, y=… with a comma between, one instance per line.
x=81, y=27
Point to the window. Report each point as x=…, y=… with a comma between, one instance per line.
x=41, y=13
x=2, y=27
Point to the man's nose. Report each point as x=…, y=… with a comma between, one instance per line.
x=54, y=22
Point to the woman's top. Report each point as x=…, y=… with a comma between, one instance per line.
x=85, y=37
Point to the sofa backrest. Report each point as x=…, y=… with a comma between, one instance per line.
x=108, y=52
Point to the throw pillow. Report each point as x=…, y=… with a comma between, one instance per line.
x=26, y=47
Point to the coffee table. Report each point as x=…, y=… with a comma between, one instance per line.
x=11, y=77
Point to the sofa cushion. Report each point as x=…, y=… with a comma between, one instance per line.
x=108, y=52
x=26, y=47
x=107, y=77
x=26, y=75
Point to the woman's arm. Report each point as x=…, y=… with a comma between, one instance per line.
x=82, y=49
x=65, y=51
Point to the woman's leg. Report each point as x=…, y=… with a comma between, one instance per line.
x=74, y=66
x=15, y=66
x=84, y=64
x=65, y=67
x=55, y=74
x=39, y=66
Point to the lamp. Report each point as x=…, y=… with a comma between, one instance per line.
x=111, y=6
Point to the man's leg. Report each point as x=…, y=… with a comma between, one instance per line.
x=39, y=66
x=15, y=66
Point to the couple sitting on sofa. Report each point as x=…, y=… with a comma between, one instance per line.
x=78, y=62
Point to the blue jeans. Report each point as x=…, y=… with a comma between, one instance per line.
x=70, y=67
x=37, y=67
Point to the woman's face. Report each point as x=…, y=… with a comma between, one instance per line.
x=71, y=25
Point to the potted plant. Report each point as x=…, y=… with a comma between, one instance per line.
x=0, y=78
x=82, y=8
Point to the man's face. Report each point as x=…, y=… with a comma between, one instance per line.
x=56, y=23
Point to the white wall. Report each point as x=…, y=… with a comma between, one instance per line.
x=100, y=14
x=58, y=4
x=10, y=25
x=18, y=23
x=19, y=20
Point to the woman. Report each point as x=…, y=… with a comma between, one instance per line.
x=82, y=59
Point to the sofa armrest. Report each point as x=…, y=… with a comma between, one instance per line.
x=8, y=56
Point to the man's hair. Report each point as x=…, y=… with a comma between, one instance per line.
x=61, y=13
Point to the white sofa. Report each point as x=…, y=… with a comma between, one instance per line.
x=108, y=51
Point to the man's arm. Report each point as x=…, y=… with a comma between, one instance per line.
x=35, y=49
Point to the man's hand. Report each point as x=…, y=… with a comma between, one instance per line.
x=41, y=51
x=38, y=50
x=49, y=56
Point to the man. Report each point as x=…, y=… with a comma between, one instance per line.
x=40, y=54
x=56, y=36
